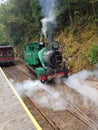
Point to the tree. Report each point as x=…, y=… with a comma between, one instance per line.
x=21, y=19
x=93, y=2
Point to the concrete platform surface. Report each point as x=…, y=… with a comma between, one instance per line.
x=12, y=113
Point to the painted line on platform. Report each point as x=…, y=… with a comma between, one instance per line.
x=22, y=103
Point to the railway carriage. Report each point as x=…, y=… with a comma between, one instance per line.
x=6, y=54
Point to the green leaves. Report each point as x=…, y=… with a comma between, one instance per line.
x=19, y=19
x=2, y=33
x=93, y=54
x=93, y=1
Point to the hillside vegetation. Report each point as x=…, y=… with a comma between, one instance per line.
x=76, y=29
x=77, y=48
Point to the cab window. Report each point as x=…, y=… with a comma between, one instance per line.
x=31, y=48
x=10, y=52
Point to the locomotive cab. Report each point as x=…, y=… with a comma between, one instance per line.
x=31, y=53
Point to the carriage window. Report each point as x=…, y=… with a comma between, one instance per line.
x=0, y=53
x=10, y=52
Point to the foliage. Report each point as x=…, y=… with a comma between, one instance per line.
x=1, y=33
x=76, y=12
x=20, y=19
x=93, y=55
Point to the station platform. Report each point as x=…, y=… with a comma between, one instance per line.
x=14, y=115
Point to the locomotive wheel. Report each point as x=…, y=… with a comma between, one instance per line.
x=49, y=71
x=43, y=81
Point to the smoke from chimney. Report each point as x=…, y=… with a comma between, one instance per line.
x=49, y=8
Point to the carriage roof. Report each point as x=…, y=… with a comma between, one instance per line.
x=7, y=46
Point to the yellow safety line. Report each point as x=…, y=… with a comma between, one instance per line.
x=22, y=103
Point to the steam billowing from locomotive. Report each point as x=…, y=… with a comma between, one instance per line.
x=49, y=17
x=45, y=59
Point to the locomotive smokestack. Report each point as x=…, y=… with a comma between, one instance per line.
x=50, y=30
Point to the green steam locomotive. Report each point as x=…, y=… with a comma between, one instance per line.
x=44, y=60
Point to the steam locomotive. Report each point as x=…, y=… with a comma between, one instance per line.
x=44, y=60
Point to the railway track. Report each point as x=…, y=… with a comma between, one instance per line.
x=45, y=121
x=40, y=116
x=77, y=113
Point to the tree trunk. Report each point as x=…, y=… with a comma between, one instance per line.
x=93, y=6
x=70, y=15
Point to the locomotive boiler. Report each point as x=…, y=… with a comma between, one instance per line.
x=44, y=60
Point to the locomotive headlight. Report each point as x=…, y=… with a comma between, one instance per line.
x=55, y=45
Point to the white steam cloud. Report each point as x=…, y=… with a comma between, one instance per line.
x=49, y=14
x=56, y=97
x=79, y=83
x=42, y=94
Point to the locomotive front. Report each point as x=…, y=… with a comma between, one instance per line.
x=53, y=57
x=51, y=60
